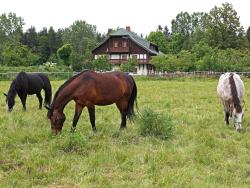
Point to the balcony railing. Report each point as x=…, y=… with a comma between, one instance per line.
x=119, y=49
x=122, y=61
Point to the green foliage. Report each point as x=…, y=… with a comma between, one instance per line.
x=102, y=64
x=248, y=36
x=183, y=61
x=159, y=38
x=20, y=55
x=64, y=53
x=165, y=63
x=129, y=66
x=82, y=37
x=176, y=43
x=155, y=124
x=224, y=29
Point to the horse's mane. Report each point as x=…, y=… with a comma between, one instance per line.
x=64, y=85
x=235, y=97
x=12, y=89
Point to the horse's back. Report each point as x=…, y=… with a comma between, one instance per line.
x=104, y=88
x=224, y=87
x=35, y=83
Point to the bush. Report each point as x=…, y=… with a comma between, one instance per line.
x=155, y=124
x=129, y=66
x=102, y=64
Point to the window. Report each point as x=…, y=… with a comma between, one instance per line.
x=115, y=56
x=124, y=44
x=124, y=57
x=134, y=56
x=115, y=44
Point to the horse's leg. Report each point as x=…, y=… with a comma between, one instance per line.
x=227, y=111
x=231, y=109
x=78, y=111
x=40, y=99
x=91, y=110
x=123, y=108
x=23, y=98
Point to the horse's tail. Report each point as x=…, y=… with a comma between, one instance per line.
x=132, y=101
x=235, y=97
x=47, y=89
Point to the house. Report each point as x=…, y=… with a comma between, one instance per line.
x=123, y=44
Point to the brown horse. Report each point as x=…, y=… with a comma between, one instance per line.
x=88, y=89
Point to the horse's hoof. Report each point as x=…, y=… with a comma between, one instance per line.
x=123, y=128
x=72, y=129
x=94, y=130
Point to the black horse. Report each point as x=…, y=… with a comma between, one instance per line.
x=28, y=84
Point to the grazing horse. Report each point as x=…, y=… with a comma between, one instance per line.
x=231, y=90
x=89, y=88
x=28, y=84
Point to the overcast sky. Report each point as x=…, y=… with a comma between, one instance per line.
x=142, y=15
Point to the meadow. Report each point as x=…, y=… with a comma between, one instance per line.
x=202, y=153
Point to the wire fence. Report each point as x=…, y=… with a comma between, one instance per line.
x=52, y=75
x=168, y=75
x=199, y=74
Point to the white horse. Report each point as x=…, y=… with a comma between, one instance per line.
x=231, y=90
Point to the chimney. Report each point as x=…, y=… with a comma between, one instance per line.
x=128, y=28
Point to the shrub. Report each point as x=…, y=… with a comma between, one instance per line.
x=102, y=64
x=155, y=124
x=128, y=67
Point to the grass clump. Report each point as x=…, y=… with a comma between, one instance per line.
x=155, y=124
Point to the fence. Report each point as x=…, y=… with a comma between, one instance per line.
x=199, y=74
x=67, y=75
x=51, y=75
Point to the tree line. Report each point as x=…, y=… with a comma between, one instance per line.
x=197, y=41
x=213, y=41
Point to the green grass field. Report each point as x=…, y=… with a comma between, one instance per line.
x=202, y=153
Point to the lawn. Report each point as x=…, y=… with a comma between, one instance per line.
x=202, y=153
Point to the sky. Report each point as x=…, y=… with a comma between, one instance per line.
x=142, y=16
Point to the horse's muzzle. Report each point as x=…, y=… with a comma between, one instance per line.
x=55, y=131
x=10, y=109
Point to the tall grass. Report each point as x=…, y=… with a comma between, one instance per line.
x=156, y=124
x=202, y=153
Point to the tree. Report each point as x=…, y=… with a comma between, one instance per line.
x=159, y=28
x=182, y=24
x=128, y=67
x=43, y=46
x=102, y=64
x=10, y=31
x=30, y=38
x=82, y=37
x=159, y=39
x=176, y=43
x=248, y=36
x=224, y=29
x=52, y=41
x=164, y=63
x=166, y=32
x=18, y=55
x=10, y=28
x=64, y=53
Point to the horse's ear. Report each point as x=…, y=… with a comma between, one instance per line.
x=47, y=107
x=5, y=94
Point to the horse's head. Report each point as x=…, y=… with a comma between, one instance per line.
x=238, y=113
x=56, y=119
x=10, y=101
